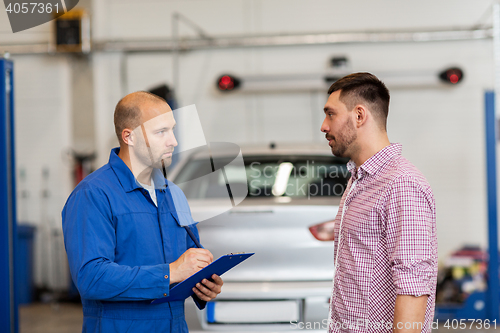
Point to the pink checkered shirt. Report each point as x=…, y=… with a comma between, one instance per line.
x=385, y=236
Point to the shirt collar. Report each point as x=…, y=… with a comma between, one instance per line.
x=376, y=162
x=126, y=177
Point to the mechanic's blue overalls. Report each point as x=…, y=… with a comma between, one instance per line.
x=119, y=245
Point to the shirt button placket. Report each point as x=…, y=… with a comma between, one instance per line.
x=344, y=209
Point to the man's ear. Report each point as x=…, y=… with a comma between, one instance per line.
x=360, y=114
x=128, y=137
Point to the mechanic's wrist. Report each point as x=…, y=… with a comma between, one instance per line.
x=173, y=273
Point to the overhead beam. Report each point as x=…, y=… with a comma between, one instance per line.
x=244, y=41
x=292, y=40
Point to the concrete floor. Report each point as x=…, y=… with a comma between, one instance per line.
x=68, y=317
x=50, y=318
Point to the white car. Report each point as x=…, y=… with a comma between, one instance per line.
x=286, y=219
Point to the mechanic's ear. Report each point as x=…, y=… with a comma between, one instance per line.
x=128, y=137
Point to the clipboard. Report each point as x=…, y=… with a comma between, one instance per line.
x=183, y=289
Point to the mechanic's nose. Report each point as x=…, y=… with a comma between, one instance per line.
x=172, y=141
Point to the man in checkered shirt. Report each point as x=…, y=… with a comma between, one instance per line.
x=385, y=231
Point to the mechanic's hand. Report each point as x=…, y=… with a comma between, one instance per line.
x=189, y=263
x=207, y=290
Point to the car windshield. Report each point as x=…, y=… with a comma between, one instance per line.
x=271, y=176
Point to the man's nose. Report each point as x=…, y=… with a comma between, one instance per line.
x=172, y=141
x=324, y=127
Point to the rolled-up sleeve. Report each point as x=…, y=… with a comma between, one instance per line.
x=90, y=242
x=411, y=237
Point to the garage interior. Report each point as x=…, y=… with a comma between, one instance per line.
x=258, y=72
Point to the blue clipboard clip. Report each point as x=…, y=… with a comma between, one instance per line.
x=183, y=289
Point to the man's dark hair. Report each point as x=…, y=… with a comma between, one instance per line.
x=128, y=113
x=364, y=88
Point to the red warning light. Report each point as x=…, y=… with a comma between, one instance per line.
x=227, y=83
x=454, y=78
x=452, y=75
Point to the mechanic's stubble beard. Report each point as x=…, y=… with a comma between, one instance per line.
x=151, y=157
x=143, y=161
x=151, y=160
x=147, y=166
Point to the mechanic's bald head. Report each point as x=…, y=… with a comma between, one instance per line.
x=135, y=109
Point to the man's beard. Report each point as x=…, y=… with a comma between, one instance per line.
x=344, y=140
x=152, y=159
x=162, y=163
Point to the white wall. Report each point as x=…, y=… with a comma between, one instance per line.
x=43, y=137
x=126, y=19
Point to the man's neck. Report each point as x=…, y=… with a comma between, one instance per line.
x=140, y=172
x=370, y=147
x=145, y=176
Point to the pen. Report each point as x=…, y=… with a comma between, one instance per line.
x=193, y=237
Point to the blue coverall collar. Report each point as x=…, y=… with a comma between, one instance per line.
x=126, y=177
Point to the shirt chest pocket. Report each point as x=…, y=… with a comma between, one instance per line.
x=175, y=237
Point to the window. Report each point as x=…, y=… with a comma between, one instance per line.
x=269, y=176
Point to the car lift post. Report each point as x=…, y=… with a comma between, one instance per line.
x=492, y=105
x=8, y=300
x=492, y=300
